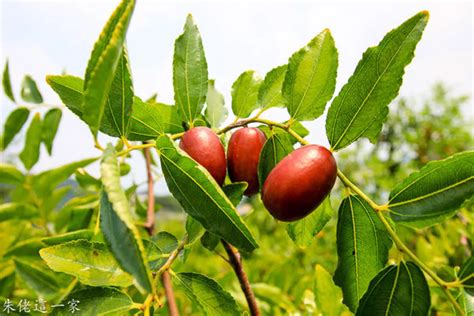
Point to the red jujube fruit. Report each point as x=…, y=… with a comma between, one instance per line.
x=299, y=183
x=243, y=154
x=204, y=146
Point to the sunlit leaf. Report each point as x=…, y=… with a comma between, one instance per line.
x=216, y=112
x=50, y=127
x=7, y=85
x=270, y=92
x=14, y=123
x=29, y=91
x=31, y=150
x=245, y=93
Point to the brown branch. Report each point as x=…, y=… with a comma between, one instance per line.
x=236, y=263
x=150, y=227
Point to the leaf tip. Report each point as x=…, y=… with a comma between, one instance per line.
x=426, y=13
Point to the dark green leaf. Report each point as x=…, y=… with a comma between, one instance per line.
x=397, y=290
x=245, y=93
x=36, y=278
x=86, y=234
x=201, y=197
x=435, y=192
x=327, y=295
x=10, y=174
x=311, y=78
x=17, y=210
x=91, y=262
x=7, y=85
x=216, y=112
x=13, y=125
x=190, y=77
x=118, y=109
x=362, y=248
x=31, y=151
x=207, y=293
x=117, y=223
x=99, y=301
x=302, y=232
x=210, y=240
x=194, y=229
x=270, y=92
x=29, y=91
x=50, y=127
x=103, y=63
x=467, y=272
x=361, y=106
x=165, y=241
x=276, y=147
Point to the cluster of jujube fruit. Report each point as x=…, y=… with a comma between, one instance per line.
x=292, y=190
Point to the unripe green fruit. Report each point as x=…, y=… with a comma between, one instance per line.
x=203, y=145
x=243, y=154
x=299, y=183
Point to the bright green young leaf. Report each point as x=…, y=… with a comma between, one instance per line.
x=397, y=290
x=311, y=78
x=361, y=106
x=103, y=63
x=29, y=91
x=302, y=232
x=201, y=197
x=70, y=90
x=235, y=191
x=117, y=223
x=467, y=272
x=91, y=262
x=50, y=127
x=276, y=147
x=14, y=124
x=245, y=93
x=31, y=150
x=39, y=280
x=7, y=85
x=466, y=302
x=120, y=100
x=97, y=301
x=17, y=210
x=327, y=295
x=9, y=174
x=190, y=78
x=435, y=192
x=216, y=112
x=270, y=92
x=362, y=248
x=86, y=234
x=207, y=293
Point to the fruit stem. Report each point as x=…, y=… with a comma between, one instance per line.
x=235, y=261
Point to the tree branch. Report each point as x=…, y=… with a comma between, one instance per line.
x=150, y=226
x=236, y=263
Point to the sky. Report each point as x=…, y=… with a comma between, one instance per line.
x=47, y=37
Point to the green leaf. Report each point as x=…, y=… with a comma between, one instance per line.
x=103, y=63
x=190, y=78
x=295, y=126
x=303, y=232
x=10, y=174
x=99, y=301
x=216, y=112
x=7, y=85
x=210, y=240
x=466, y=302
x=70, y=90
x=36, y=278
x=120, y=100
x=270, y=92
x=26, y=249
x=70, y=236
x=17, y=210
x=31, y=151
x=117, y=223
x=311, y=78
x=276, y=147
x=235, y=191
x=397, y=290
x=467, y=272
x=362, y=248
x=274, y=296
x=50, y=127
x=245, y=93
x=327, y=295
x=201, y=197
x=29, y=91
x=91, y=262
x=207, y=293
x=165, y=241
x=194, y=229
x=361, y=106
x=14, y=124
x=435, y=192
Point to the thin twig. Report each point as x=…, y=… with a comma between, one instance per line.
x=150, y=226
x=236, y=263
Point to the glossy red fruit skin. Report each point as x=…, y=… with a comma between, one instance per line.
x=204, y=146
x=299, y=183
x=243, y=154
